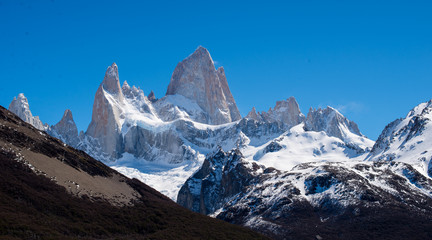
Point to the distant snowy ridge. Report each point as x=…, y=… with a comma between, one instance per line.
x=292, y=177
x=408, y=140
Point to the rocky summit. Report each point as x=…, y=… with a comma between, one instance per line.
x=197, y=79
x=20, y=107
x=105, y=124
x=66, y=130
x=286, y=112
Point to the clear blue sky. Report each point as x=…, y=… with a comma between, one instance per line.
x=370, y=59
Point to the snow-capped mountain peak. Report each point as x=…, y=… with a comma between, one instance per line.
x=20, y=107
x=197, y=79
x=286, y=112
x=111, y=82
x=65, y=129
x=253, y=115
x=105, y=125
x=408, y=140
x=333, y=123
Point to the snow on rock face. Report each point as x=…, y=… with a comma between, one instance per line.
x=197, y=114
x=310, y=173
x=21, y=108
x=286, y=112
x=105, y=126
x=408, y=140
x=297, y=146
x=240, y=191
x=151, y=96
x=222, y=176
x=330, y=121
x=254, y=115
x=111, y=82
x=171, y=131
x=66, y=129
x=327, y=192
x=197, y=79
x=172, y=107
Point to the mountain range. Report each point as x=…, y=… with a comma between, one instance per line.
x=275, y=172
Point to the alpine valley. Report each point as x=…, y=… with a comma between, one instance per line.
x=281, y=173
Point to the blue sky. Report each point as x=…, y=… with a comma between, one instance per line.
x=370, y=60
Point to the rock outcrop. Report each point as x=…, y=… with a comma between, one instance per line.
x=286, y=112
x=331, y=122
x=408, y=140
x=221, y=177
x=21, y=108
x=151, y=97
x=197, y=79
x=66, y=130
x=322, y=194
x=105, y=126
x=254, y=115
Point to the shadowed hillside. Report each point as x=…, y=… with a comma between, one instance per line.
x=35, y=204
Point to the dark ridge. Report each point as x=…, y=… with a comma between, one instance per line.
x=34, y=207
x=24, y=135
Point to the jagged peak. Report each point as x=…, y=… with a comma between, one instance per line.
x=125, y=84
x=332, y=109
x=21, y=96
x=201, y=50
x=321, y=109
x=151, y=96
x=21, y=107
x=197, y=79
x=419, y=109
x=290, y=102
x=112, y=70
x=113, y=66
x=292, y=98
x=67, y=115
x=111, y=82
x=201, y=54
x=19, y=104
x=217, y=152
x=328, y=120
x=253, y=115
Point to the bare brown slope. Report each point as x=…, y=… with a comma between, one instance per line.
x=34, y=206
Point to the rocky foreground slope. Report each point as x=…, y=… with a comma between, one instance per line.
x=49, y=190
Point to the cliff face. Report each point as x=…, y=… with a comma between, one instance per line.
x=66, y=129
x=286, y=112
x=221, y=177
x=334, y=198
x=105, y=126
x=197, y=79
x=21, y=108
